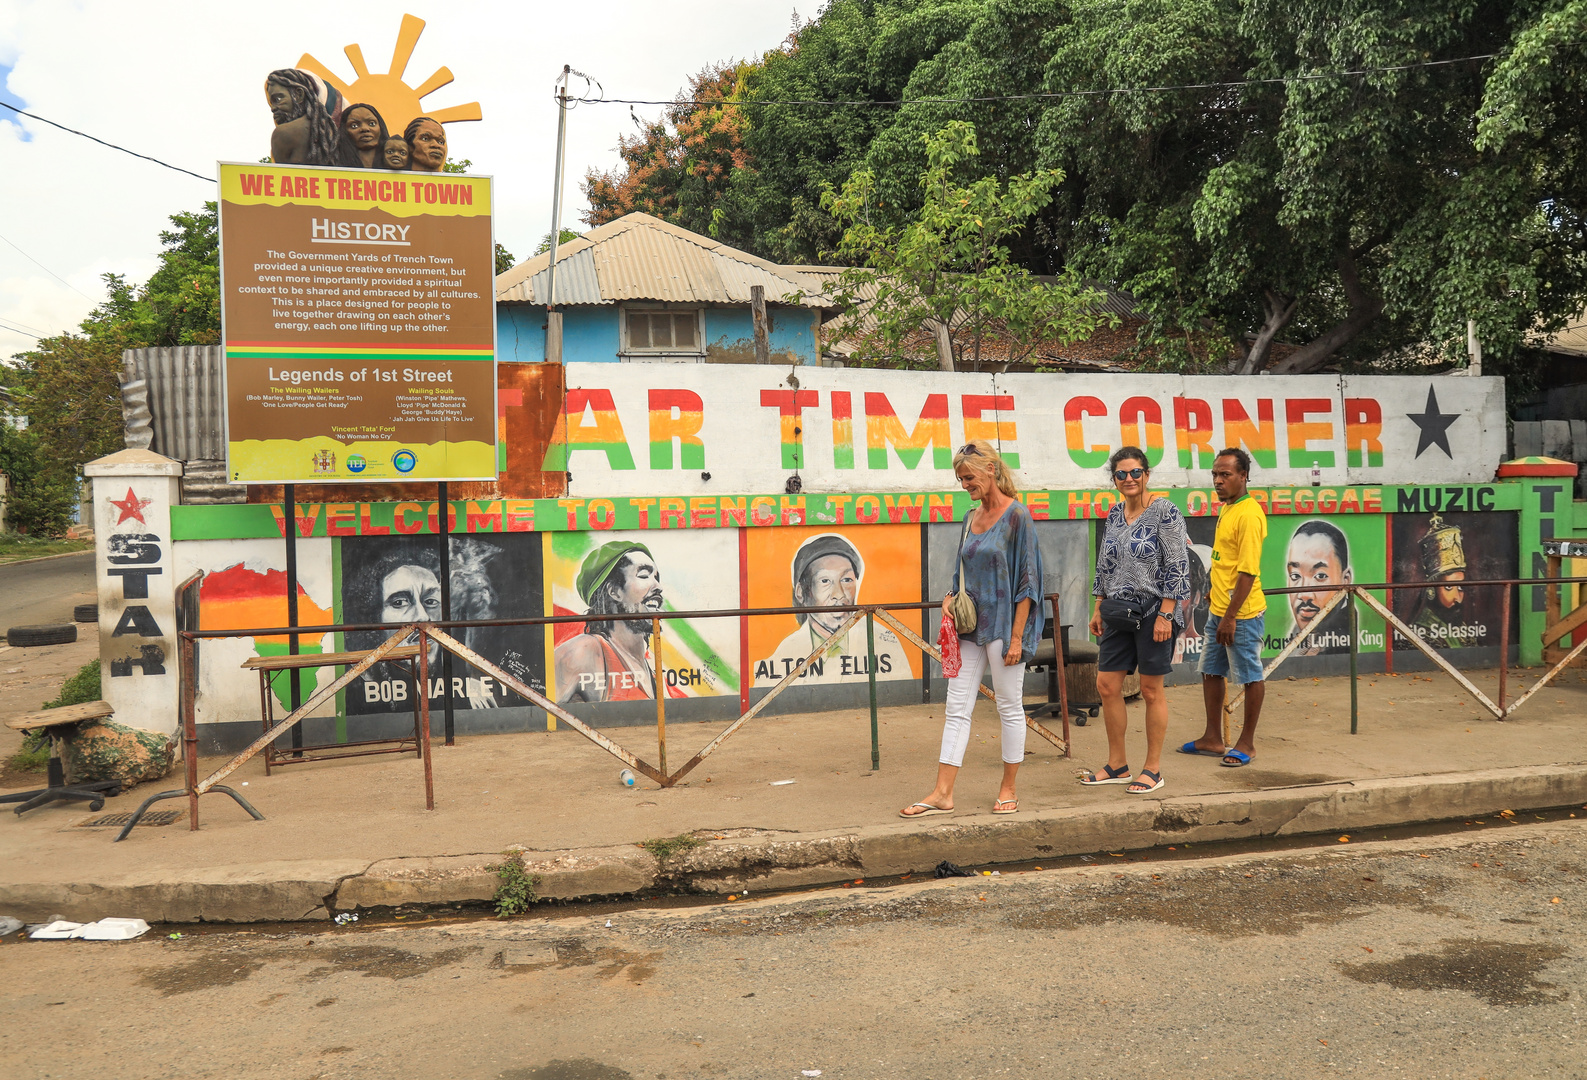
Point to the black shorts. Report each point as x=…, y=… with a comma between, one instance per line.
x=1132, y=650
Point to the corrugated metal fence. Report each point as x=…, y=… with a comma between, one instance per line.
x=182, y=392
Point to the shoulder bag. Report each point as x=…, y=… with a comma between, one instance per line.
x=960, y=606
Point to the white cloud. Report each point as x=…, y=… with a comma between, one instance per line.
x=183, y=82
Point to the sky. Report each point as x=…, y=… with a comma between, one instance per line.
x=184, y=82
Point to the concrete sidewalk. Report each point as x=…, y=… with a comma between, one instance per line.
x=354, y=834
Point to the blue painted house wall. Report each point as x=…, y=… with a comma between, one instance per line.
x=590, y=334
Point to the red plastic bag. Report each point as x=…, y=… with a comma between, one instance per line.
x=948, y=644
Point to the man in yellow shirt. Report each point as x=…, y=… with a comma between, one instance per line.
x=1238, y=604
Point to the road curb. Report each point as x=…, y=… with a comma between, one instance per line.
x=758, y=860
x=46, y=558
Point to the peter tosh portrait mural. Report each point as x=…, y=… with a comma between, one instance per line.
x=603, y=574
x=398, y=579
x=832, y=568
x=1445, y=551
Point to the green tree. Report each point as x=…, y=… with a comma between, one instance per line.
x=1358, y=219
x=545, y=241
x=69, y=386
x=947, y=269
x=504, y=260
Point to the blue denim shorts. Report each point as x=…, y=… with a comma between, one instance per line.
x=1241, y=662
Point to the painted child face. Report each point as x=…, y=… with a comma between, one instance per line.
x=396, y=153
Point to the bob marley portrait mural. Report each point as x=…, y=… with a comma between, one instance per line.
x=397, y=579
x=1446, y=551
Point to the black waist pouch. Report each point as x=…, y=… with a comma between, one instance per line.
x=1128, y=614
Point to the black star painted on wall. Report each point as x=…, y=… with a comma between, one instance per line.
x=1434, y=426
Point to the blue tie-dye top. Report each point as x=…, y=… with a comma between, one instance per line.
x=1002, y=566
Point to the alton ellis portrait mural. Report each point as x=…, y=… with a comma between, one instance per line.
x=827, y=567
x=397, y=579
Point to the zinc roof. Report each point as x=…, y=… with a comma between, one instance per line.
x=640, y=257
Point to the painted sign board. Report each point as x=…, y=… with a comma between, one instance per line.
x=630, y=430
x=359, y=322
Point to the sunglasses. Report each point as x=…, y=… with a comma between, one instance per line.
x=968, y=449
x=1129, y=474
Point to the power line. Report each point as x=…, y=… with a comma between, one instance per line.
x=1283, y=80
x=17, y=330
x=47, y=270
x=102, y=142
x=23, y=325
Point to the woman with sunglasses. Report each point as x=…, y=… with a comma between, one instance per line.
x=1002, y=573
x=1143, y=571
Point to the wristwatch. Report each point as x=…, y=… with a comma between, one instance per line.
x=1169, y=615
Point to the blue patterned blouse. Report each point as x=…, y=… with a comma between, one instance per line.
x=1149, y=559
x=1002, y=566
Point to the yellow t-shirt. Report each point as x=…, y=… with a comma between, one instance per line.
x=1236, y=550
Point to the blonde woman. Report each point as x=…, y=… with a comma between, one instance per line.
x=1003, y=575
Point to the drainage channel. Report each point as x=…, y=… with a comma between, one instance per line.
x=663, y=900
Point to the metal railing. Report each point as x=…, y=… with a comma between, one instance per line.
x=1364, y=593
x=425, y=633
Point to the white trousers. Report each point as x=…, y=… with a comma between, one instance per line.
x=1008, y=683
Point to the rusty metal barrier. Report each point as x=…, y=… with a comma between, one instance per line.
x=437, y=631
x=1351, y=593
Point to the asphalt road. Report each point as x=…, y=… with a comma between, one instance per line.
x=1439, y=957
x=46, y=591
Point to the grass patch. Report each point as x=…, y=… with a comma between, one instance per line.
x=516, y=893
x=665, y=847
x=79, y=688
x=14, y=547
x=34, y=755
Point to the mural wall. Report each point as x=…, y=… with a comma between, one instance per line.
x=245, y=586
x=1446, y=550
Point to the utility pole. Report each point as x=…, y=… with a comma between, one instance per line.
x=553, y=316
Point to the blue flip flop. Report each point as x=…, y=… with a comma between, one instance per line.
x=1190, y=748
x=1240, y=757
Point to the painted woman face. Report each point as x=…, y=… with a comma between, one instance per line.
x=363, y=129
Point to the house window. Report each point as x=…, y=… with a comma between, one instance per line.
x=663, y=331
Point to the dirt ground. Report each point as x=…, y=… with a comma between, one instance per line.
x=1434, y=957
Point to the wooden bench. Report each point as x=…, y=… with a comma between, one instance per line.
x=268, y=665
x=54, y=722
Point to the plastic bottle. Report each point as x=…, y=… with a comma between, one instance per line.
x=627, y=779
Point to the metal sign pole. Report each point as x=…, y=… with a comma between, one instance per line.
x=444, y=544
x=289, y=512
